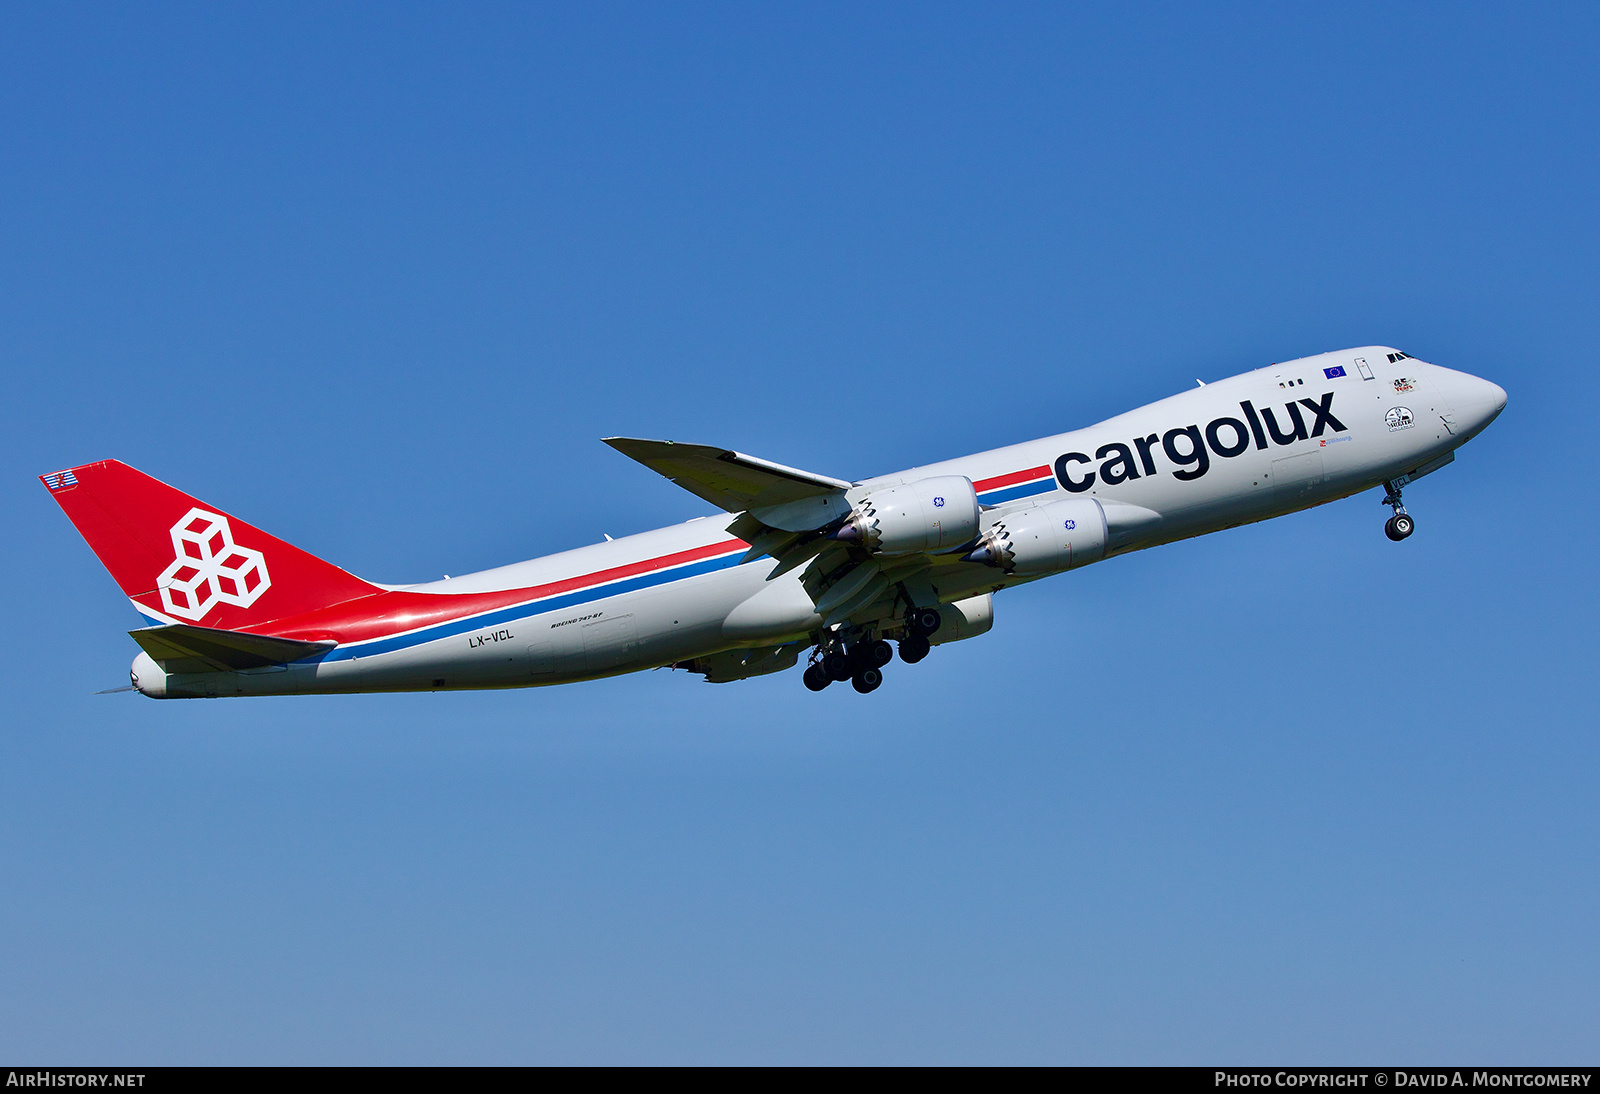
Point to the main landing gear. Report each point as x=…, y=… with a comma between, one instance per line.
x=1399, y=526
x=861, y=661
x=920, y=623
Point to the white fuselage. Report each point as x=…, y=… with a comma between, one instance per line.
x=628, y=610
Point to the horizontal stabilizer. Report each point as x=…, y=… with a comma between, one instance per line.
x=729, y=480
x=179, y=647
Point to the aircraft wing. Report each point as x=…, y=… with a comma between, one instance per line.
x=179, y=647
x=782, y=513
x=730, y=480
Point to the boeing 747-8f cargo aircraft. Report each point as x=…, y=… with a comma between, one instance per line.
x=797, y=562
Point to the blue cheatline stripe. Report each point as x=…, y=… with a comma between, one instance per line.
x=1021, y=490
x=524, y=611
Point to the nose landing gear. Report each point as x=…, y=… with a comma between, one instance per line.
x=1399, y=526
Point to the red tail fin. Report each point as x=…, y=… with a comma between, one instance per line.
x=182, y=560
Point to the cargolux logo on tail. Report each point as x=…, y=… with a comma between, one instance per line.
x=210, y=568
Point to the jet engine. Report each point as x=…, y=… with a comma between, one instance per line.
x=932, y=514
x=1044, y=538
x=964, y=619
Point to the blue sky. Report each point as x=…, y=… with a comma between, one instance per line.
x=377, y=278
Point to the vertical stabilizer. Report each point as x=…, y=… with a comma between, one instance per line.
x=183, y=561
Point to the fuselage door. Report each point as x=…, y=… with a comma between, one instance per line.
x=557, y=649
x=1296, y=478
x=608, y=643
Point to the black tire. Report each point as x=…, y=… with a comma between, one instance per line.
x=924, y=621
x=1399, y=526
x=837, y=665
x=913, y=648
x=877, y=654
x=866, y=680
x=815, y=678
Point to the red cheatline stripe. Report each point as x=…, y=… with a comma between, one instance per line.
x=694, y=554
x=1011, y=479
x=394, y=611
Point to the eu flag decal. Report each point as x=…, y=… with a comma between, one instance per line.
x=1330, y=373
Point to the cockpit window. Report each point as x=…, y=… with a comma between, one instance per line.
x=1393, y=357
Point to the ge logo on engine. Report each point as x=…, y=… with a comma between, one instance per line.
x=210, y=568
x=1070, y=525
x=938, y=503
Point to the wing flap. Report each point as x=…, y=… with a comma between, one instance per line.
x=179, y=647
x=729, y=480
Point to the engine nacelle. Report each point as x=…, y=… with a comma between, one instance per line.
x=964, y=619
x=1045, y=538
x=927, y=515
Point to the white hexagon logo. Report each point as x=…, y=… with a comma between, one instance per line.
x=210, y=568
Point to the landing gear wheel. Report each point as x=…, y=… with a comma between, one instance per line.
x=923, y=621
x=866, y=680
x=1399, y=526
x=816, y=678
x=875, y=654
x=836, y=664
x=913, y=648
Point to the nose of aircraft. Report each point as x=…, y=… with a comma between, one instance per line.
x=1495, y=395
x=1477, y=401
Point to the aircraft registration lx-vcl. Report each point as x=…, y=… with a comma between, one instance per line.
x=798, y=561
